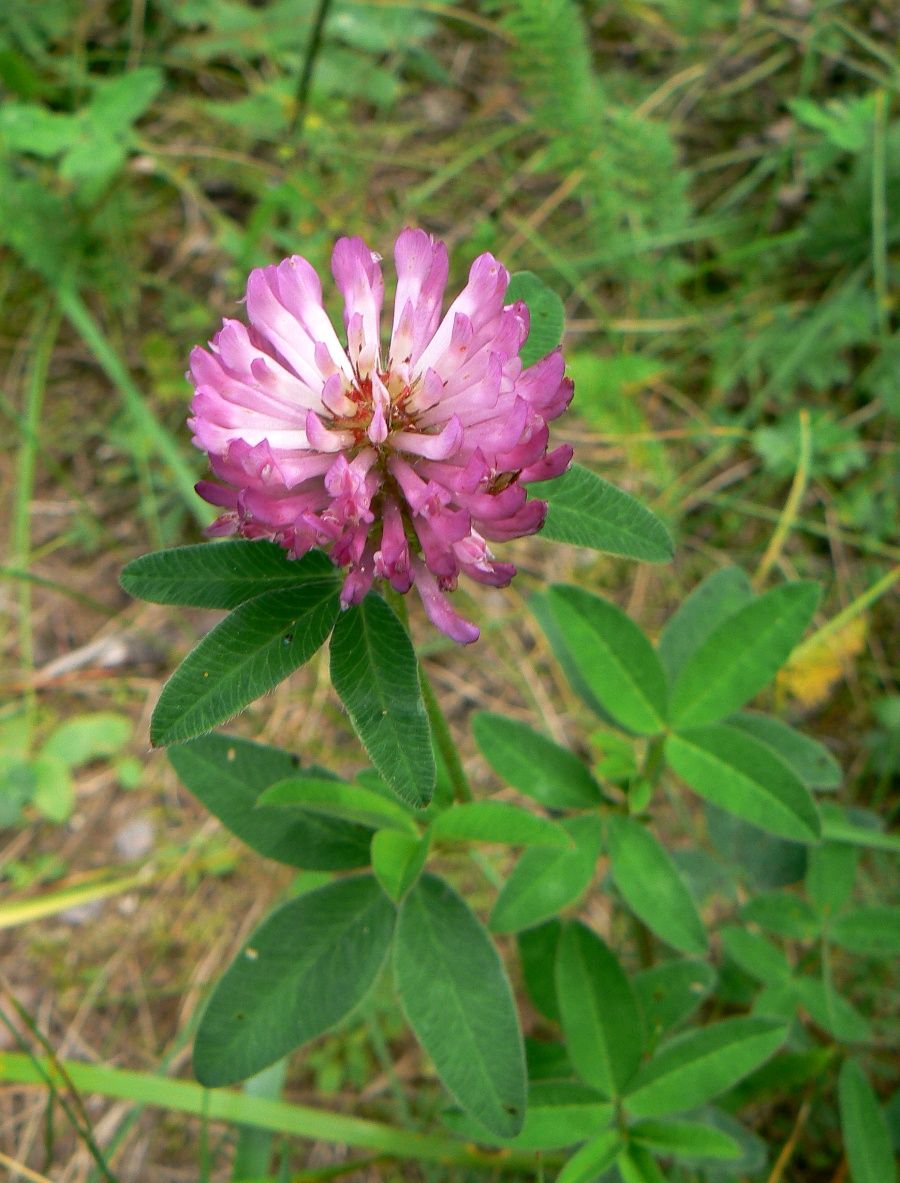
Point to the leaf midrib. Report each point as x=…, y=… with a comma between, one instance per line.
x=384, y=699
x=431, y=934
x=756, y=786
x=322, y=942
x=684, y=714
x=667, y=1077
x=238, y=667
x=633, y=684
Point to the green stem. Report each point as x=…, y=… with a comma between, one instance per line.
x=462, y=790
x=654, y=760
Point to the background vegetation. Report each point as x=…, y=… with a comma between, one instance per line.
x=713, y=187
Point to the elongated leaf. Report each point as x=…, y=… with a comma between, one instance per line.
x=537, y=953
x=808, y=759
x=872, y=931
x=459, y=1003
x=539, y=603
x=838, y=829
x=498, y=821
x=229, y=775
x=397, y=859
x=589, y=1163
x=586, y=510
x=301, y=972
x=599, y=1012
x=737, y=773
x=716, y=599
x=670, y=992
x=244, y=657
x=651, y=885
x=699, y=1065
x=685, y=1140
x=830, y=876
x=560, y=1113
x=533, y=764
x=221, y=574
x=763, y=859
x=783, y=913
x=374, y=670
x=613, y=656
x=88, y=737
x=755, y=955
x=830, y=1010
x=336, y=798
x=545, y=312
x=742, y=654
x=637, y=1165
x=866, y=1136
x=545, y=880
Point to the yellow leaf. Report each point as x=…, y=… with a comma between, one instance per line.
x=811, y=675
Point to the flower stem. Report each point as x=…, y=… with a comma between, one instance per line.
x=462, y=790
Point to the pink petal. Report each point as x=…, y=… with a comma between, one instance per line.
x=324, y=440
x=279, y=326
x=392, y=558
x=335, y=400
x=438, y=609
x=434, y=447
x=528, y=520
x=300, y=291
x=552, y=465
x=217, y=494
x=357, y=274
x=481, y=301
x=422, y=267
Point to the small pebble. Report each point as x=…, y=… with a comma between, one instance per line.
x=82, y=913
x=135, y=839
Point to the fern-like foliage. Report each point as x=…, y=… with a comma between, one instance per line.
x=633, y=187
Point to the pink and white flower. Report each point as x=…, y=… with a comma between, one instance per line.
x=403, y=466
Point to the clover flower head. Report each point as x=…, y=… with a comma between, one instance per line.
x=404, y=466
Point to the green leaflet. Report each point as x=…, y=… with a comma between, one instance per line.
x=533, y=764
x=589, y=1163
x=545, y=880
x=458, y=1000
x=670, y=992
x=866, y=1137
x=397, y=859
x=229, y=775
x=872, y=931
x=699, y=1065
x=337, y=799
x=221, y=574
x=585, y=510
x=737, y=773
x=651, y=885
x=687, y=1140
x=545, y=311
x=375, y=673
x=741, y=654
x=497, y=821
x=808, y=759
x=613, y=656
x=598, y=1010
x=245, y=656
x=302, y=971
x=716, y=599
